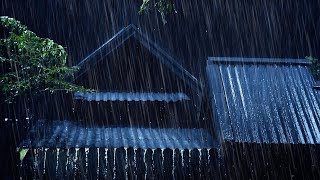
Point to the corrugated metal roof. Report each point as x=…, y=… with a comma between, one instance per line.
x=66, y=134
x=122, y=96
x=265, y=101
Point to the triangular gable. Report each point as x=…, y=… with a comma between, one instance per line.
x=132, y=31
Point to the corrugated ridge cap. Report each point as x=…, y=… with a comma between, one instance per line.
x=243, y=60
x=131, y=96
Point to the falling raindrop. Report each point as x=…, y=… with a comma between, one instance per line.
x=106, y=161
x=44, y=161
x=126, y=162
x=152, y=159
x=200, y=160
x=86, y=158
x=182, y=159
x=98, y=167
x=57, y=161
x=189, y=162
x=21, y=168
x=208, y=152
x=162, y=158
x=173, y=164
x=67, y=163
x=114, y=163
x=135, y=162
x=144, y=161
x=35, y=162
x=75, y=161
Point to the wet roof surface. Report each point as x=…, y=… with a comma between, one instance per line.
x=67, y=134
x=317, y=85
x=265, y=101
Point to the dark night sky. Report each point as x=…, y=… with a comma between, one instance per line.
x=269, y=28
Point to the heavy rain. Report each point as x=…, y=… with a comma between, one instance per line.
x=159, y=89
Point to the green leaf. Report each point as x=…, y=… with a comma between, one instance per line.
x=164, y=7
x=22, y=153
x=315, y=67
x=32, y=63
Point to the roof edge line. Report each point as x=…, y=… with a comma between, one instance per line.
x=243, y=60
x=105, y=44
x=149, y=44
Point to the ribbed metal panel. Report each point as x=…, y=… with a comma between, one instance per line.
x=317, y=85
x=64, y=134
x=121, y=96
x=263, y=102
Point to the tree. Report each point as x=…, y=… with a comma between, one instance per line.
x=164, y=7
x=30, y=64
x=315, y=67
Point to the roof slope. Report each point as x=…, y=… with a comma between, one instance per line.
x=265, y=100
x=66, y=134
x=132, y=31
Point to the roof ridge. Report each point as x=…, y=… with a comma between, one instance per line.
x=245, y=60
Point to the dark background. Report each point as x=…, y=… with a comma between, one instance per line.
x=266, y=28
x=200, y=28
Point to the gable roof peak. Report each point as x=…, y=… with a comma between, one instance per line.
x=132, y=31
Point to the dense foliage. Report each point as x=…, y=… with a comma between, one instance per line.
x=164, y=7
x=30, y=64
x=315, y=67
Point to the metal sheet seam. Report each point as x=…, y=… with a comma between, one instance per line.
x=225, y=99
